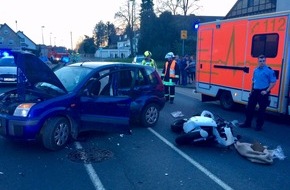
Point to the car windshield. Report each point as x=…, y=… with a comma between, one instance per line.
x=139, y=59
x=71, y=76
x=49, y=89
x=4, y=62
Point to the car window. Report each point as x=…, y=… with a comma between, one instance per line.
x=151, y=75
x=125, y=78
x=140, y=79
x=93, y=86
x=106, y=82
x=49, y=88
x=7, y=62
x=117, y=82
x=139, y=59
x=70, y=77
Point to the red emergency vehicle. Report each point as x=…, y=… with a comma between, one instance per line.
x=56, y=53
x=227, y=52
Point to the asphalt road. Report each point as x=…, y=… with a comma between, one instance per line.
x=149, y=158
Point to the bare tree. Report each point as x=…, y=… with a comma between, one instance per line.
x=128, y=19
x=168, y=5
x=189, y=6
x=183, y=7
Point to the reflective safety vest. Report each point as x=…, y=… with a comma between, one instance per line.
x=171, y=69
x=149, y=63
x=172, y=74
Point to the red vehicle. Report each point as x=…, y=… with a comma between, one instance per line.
x=55, y=54
x=227, y=52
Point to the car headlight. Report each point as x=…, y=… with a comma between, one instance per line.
x=23, y=109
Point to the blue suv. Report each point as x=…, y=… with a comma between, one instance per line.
x=54, y=106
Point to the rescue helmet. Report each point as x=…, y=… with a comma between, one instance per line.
x=147, y=54
x=169, y=55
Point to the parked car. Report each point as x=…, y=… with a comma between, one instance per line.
x=8, y=70
x=138, y=59
x=53, y=106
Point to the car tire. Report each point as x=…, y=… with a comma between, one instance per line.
x=150, y=115
x=55, y=133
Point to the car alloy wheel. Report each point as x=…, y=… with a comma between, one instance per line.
x=150, y=115
x=55, y=133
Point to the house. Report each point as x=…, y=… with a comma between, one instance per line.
x=112, y=53
x=26, y=43
x=122, y=51
x=8, y=38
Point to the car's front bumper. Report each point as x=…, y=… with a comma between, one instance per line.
x=17, y=129
x=8, y=78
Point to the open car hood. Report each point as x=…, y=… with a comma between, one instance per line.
x=36, y=70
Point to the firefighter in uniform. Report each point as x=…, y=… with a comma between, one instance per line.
x=170, y=76
x=148, y=61
x=264, y=80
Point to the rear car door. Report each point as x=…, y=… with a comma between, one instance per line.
x=105, y=110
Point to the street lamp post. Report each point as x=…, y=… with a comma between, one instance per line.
x=50, y=39
x=71, y=41
x=42, y=27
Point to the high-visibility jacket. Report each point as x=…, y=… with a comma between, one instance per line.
x=151, y=63
x=170, y=73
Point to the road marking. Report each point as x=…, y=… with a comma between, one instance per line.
x=193, y=162
x=91, y=172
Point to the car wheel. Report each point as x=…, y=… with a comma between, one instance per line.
x=150, y=115
x=55, y=133
x=226, y=100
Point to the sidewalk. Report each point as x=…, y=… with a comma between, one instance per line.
x=192, y=85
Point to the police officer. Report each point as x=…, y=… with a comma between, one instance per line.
x=148, y=61
x=170, y=75
x=263, y=81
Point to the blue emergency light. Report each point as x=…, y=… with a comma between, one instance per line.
x=196, y=25
x=4, y=53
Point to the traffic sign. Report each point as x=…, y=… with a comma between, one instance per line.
x=183, y=34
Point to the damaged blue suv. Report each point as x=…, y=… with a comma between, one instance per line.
x=53, y=106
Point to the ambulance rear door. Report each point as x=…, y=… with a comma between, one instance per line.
x=204, y=58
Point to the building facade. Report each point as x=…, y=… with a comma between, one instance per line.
x=8, y=38
x=254, y=7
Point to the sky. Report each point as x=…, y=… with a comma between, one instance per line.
x=64, y=23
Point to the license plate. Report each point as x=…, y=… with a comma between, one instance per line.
x=10, y=79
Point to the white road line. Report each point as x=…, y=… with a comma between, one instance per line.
x=91, y=172
x=193, y=162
